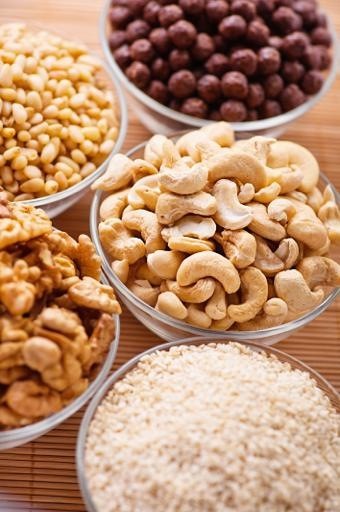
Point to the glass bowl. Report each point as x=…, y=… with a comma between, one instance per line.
x=171, y=329
x=322, y=383
x=161, y=119
x=19, y=436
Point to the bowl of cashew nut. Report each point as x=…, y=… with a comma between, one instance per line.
x=200, y=233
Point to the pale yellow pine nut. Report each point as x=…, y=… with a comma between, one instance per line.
x=78, y=156
x=51, y=187
x=6, y=175
x=10, y=143
x=86, y=147
x=73, y=74
x=8, y=94
x=30, y=154
x=65, y=169
x=6, y=77
x=61, y=180
x=112, y=134
x=6, y=109
x=19, y=113
x=38, y=129
x=19, y=162
x=76, y=134
x=77, y=100
x=43, y=138
x=65, y=113
x=8, y=133
x=33, y=99
x=75, y=178
x=33, y=144
x=91, y=132
x=13, y=187
x=37, y=118
x=87, y=169
x=21, y=96
x=30, y=65
x=19, y=175
x=51, y=112
x=94, y=112
x=11, y=153
x=106, y=147
x=31, y=172
x=64, y=133
x=24, y=197
x=36, y=83
x=2, y=161
x=54, y=129
x=48, y=153
x=74, y=118
x=69, y=162
x=33, y=185
x=24, y=136
x=62, y=87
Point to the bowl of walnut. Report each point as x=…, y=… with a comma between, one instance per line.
x=200, y=233
x=59, y=325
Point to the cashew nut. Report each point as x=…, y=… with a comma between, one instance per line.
x=144, y=272
x=182, y=179
x=190, y=245
x=220, y=133
x=268, y=193
x=239, y=246
x=289, y=178
x=143, y=289
x=170, y=304
x=306, y=227
x=319, y=271
x=264, y=226
x=254, y=289
x=230, y=214
x=266, y=260
x=281, y=210
x=193, y=226
x=208, y=264
x=274, y=313
x=288, y=251
x=222, y=325
x=171, y=207
x=114, y=204
x=291, y=287
x=121, y=269
x=329, y=214
x=165, y=263
x=198, y=292
x=216, y=307
x=141, y=168
x=147, y=224
x=154, y=150
x=257, y=146
x=246, y=193
x=197, y=316
x=298, y=195
x=119, y=242
x=144, y=193
x=118, y=174
x=315, y=199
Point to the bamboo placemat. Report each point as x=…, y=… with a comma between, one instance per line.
x=40, y=476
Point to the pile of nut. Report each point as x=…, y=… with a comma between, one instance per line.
x=234, y=60
x=55, y=316
x=58, y=120
x=221, y=233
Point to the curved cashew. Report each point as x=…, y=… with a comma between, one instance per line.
x=145, y=192
x=154, y=150
x=284, y=153
x=119, y=242
x=171, y=207
x=190, y=245
x=254, y=288
x=197, y=316
x=264, y=226
x=291, y=287
x=274, y=313
x=319, y=271
x=121, y=269
x=118, y=174
x=239, y=246
x=329, y=214
x=268, y=193
x=143, y=271
x=220, y=133
x=288, y=251
x=266, y=260
x=114, y=204
x=257, y=146
x=193, y=226
x=230, y=214
x=147, y=224
x=143, y=289
x=298, y=195
x=208, y=264
x=315, y=199
x=289, y=178
x=317, y=252
x=281, y=210
x=170, y=304
x=246, y=193
x=141, y=168
x=165, y=263
x=306, y=227
x=182, y=179
x=222, y=325
x=198, y=292
x=216, y=307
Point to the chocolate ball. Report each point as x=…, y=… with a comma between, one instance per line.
x=182, y=34
x=175, y=104
x=151, y=11
x=234, y=85
x=244, y=8
x=258, y=33
x=273, y=86
x=221, y=44
x=321, y=35
x=194, y=107
x=119, y=16
x=321, y=19
x=291, y=97
x=116, y=39
x=252, y=115
x=137, y=29
x=142, y=50
x=312, y=57
x=232, y=27
x=292, y=71
x=182, y=84
x=255, y=95
x=137, y=6
x=215, y=115
x=160, y=69
x=139, y=74
x=192, y=7
x=122, y=56
x=209, y=88
x=307, y=11
x=179, y=59
x=203, y=48
x=158, y=91
x=233, y=111
x=160, y=40
x=265, y=7
x=216, y=10
x=286, y=20
x=312, y=82
x=217, y=64
x=325, y=58
x=269, y=60
x=294, y=45
x=244, y=60
x=169, y=14
x=270, y=108
x=275, y=42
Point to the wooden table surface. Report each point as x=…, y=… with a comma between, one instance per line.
x=40, y=476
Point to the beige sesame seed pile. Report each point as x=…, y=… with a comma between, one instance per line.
x=214, y=428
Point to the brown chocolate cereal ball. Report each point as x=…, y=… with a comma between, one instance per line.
x=234, y=85
x=312, y=57
x=286, y=20
x=269, y=60
x=119, y=16
x=245, y=8
x=255, y=95
x=232, y=27
x=160, y=40
x=169, y=14
x=217, y=64
x=220, y=44
x=139, y=74
x=160, y=69
x=273, y=86
x=291, y=97
x=203, y=48
x=142, y=50
x=182, y=34
x=292, y=71
x=182, y=84
x=321, y=35
x=233, y=111
x=325, y=58
x=294, y=45
x=244, y=60
x=270, y=108
x=258, y=33
x=158, y=91
x=252, y=115
x=216, y=10
x=179, y=59
x=137, y=6
x=307, y=11
x=209, y=88
x=275, y=42
x=265, y=7
x=151, y=11
x=194, y=107
x=175, y=104
x=137, y=29
x=312, y=82
x=215, y=115
x=122, y=56
x=192, y=7
x=116, y=39
x=321, y=19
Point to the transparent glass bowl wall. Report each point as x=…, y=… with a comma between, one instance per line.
x=326, y=387
x=161, y=119
x=167, y=327
x=19, y=436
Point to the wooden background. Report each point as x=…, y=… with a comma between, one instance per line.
x=41, y=475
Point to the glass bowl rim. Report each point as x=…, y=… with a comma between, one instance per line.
x=245, y=126
x=131, y=363
x=179, y=324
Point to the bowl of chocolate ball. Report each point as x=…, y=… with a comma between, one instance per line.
x=258, y=64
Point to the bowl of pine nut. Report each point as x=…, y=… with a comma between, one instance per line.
x=62, y=116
